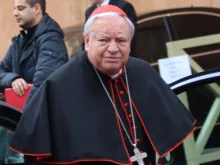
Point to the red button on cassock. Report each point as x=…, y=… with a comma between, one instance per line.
x=125, y=105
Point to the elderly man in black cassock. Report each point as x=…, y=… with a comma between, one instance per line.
x=103, y=107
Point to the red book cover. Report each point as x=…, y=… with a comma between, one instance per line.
x=15, y=100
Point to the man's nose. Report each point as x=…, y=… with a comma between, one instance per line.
x=15, y=12
x=113, y=47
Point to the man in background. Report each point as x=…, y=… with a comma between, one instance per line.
x=124, y=5
x=36, y=52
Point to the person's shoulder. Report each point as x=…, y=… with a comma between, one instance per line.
x=16, y=37
x=89, y=10
x=127, y=7
x=48, y=28
x=139, y=65
x=130, y=7
x=125, y=3
x=142, y=69
x=137, y=62
x=15, y=40
x=67, y=69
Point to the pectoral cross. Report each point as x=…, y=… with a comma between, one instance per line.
x=138, y=156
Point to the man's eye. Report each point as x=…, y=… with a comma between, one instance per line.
x=20, y=8
x=102, y=40
x=122, y=41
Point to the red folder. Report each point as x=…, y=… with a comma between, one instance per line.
x=17, y=101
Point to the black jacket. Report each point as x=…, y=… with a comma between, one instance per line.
x=127, y=8
x=37, y=59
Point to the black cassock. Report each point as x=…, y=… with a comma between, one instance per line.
x=71, y=119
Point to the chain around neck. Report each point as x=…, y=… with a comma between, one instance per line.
x=134, y=144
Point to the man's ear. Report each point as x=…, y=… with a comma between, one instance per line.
x=37, y=8
x=86, y=41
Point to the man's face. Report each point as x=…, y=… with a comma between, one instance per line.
x=96, y=2
x=108, y=43
x=24, y=14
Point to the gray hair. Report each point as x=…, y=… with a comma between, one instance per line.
x=91, y=20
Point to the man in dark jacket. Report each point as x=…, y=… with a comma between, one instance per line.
x=124, y=5
x=34, y=54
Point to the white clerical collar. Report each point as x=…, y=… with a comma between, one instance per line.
x=117, y=74
x=105, y=2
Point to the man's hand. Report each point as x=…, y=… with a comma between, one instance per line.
x=19, y=85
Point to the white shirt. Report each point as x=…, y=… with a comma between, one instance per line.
x=105, y=2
